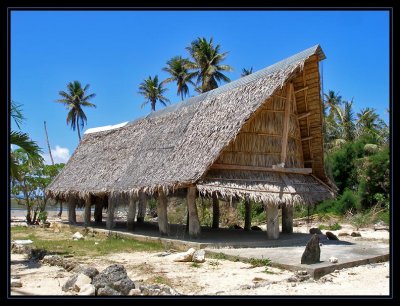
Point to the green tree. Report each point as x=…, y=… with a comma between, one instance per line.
x=206, y=61
x=153, y=91
x=369, y=122
x=21, y=140
x=33, y=178
x=246, y=72
x=178, y=68
x=75, y=99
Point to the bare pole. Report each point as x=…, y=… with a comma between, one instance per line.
x=48, y=144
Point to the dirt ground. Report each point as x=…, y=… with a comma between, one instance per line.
x=214, y=276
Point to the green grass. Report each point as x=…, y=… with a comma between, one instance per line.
x=257, y=262
x=159, y=279
x=195, y=265
x=61, y=243
x=217, y=256
x=333, y=227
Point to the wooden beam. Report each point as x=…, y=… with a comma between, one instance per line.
x=131, y=213
x=254, y=168
x=287, y=219
x=142, y=207
x=303, y=115
x=299, y=145
x=98, y=210
x=194, y=223
x=162, y=216
x=71, y=209
x=286, y=122
x=272, y=221
x=299, y=90
x=110, y=211
x=87, y=211
x=247, y=215
x=307, y=138
x=216, y=214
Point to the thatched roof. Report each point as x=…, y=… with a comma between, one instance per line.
x=175, y=147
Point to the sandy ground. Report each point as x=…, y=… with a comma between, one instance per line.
x=215, y=276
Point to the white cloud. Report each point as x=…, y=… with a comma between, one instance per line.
x=60, y=155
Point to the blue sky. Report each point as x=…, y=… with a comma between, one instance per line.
x=114, y=51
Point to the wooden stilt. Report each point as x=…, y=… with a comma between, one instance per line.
x=111, y=209
x=98, y=210
x=215, y=205
x=247, y=217
x=142, y=207
x=287, y=219
x=272, y=221
x=71, y=210
x=162, y=213
x=88, y=212
x=194, y=224
x=131, y=213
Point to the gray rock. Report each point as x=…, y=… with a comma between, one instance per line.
x=114, y=277
x=331, y=236
x=69, y=284
x=158, y=289
x=77, y=236
x=199, y=256
x=315, y=230
x=355, y=234
x=312, y=252
x=80, y=281
x=87, y=270
x=20, y=248
x=341, y=234
x=53, y=260
x=106, y=291
x=87, y=289
x=135, y=292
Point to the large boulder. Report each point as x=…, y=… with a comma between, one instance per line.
x=312, y=252
x=87, y=270
x=315, y=230
x=114, y=277
x=331, y=236
x=80, y=281
x=185, y=256
x=87, y=289
x=199, y=256
x=69, y=284
x=107, y=291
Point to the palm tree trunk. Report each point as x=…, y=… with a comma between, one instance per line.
x=79, y=132
x=48, y=144
x=153, y=106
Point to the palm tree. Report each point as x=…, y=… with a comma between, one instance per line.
x=332, y=101
x=177, y=67
x=369, y=122
x=207, y=61
x=246, y=72
x=74, y=100
x=153, y=91
x=22, y=140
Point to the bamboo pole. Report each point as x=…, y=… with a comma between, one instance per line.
x=272, y=221
x=131, y=213
x=216, y=214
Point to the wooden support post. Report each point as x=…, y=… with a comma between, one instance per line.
x=88, y=212
x=272, y=221
x=286, y=120
x=215, y=205
x=71, y=209
x=142, y=207
x=98, y=210
x=162, y=213
x=287, y=219
x=247, y=216
x=131, y=213
x=111, y=209
x=194, y=224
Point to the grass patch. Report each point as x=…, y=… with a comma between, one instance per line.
x=214, y=263
x=257, y=262
x=218, y=256
x=333, y=227
x=195, y=265
x=159, y=279
x=61, y=243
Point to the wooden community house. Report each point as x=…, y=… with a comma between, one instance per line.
x=257, y=138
